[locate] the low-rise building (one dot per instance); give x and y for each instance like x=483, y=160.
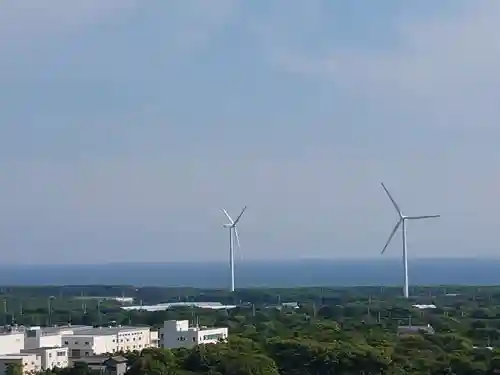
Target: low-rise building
x=116, y=365
x=51, y=357
x=29, y=363
x=40, y=337
x=11, y=342
x=103, y=340
x=178, y=334
x=88, y=345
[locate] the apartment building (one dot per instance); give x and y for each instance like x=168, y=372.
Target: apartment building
x=29, y=362
x=178, y=334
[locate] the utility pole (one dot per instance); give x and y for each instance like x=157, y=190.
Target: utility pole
x=99, y=311
x=49, y=305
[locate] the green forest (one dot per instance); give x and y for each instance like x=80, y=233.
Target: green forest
x=332, y=331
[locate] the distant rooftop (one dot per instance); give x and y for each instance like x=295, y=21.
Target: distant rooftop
x=423, y=307
x=415, y=329
x=169, y=305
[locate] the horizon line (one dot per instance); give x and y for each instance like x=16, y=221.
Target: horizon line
x=256, y=261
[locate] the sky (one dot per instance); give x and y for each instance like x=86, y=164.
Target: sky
x=125, y=127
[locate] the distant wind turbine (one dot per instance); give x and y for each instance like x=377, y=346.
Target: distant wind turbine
x=233, y=233
x=402, y=222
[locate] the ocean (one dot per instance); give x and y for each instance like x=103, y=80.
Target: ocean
x=260, y=274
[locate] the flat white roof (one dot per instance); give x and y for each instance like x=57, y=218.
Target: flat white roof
x=169, y=305
x=106, y=331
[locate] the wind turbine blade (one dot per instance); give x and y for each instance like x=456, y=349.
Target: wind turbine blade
x=392, y=235
x=392, y=199
x=227, y=215
x=423, y=217
x=239, y=216
x=237, y=237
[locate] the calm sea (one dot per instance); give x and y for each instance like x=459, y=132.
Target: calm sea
x=260, y=274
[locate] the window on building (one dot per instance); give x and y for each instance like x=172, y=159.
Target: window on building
x=215, y=336
x=66, y=342
x=86, y=342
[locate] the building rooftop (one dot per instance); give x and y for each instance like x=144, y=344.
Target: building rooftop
x=101, y=359
x=16, y=355
x=7, y=333
x=415, y=329
x=170, y=305
x=107, y=330
x=58, y=329
x=45, y=348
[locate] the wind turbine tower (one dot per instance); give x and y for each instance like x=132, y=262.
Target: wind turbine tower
x=233, y=234
x=403, y=223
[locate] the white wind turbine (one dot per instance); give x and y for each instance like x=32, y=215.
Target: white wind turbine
x=402, y=222
x=233, y=231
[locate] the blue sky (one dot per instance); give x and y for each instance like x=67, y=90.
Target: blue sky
x=126, y=125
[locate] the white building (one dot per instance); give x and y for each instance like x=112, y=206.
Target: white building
x=155, y=339
x=30, y=363
x=177, y=334
x=103, y=340
x=46, y=337
x=51, y=357
x=11, y=342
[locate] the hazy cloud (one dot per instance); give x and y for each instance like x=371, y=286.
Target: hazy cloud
x=116, y=143
x=441, y=68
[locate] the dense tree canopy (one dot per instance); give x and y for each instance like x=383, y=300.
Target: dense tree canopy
x=333, y=331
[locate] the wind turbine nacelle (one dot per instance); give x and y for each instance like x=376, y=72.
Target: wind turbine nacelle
x=227, y=225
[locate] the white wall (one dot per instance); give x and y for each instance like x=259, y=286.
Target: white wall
x=154, y=339
x=134, y=339
x=87, y=345
x=212, y=335
x=178, y=334
x=43, y=341
x=51, y=357
x=11, y=342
